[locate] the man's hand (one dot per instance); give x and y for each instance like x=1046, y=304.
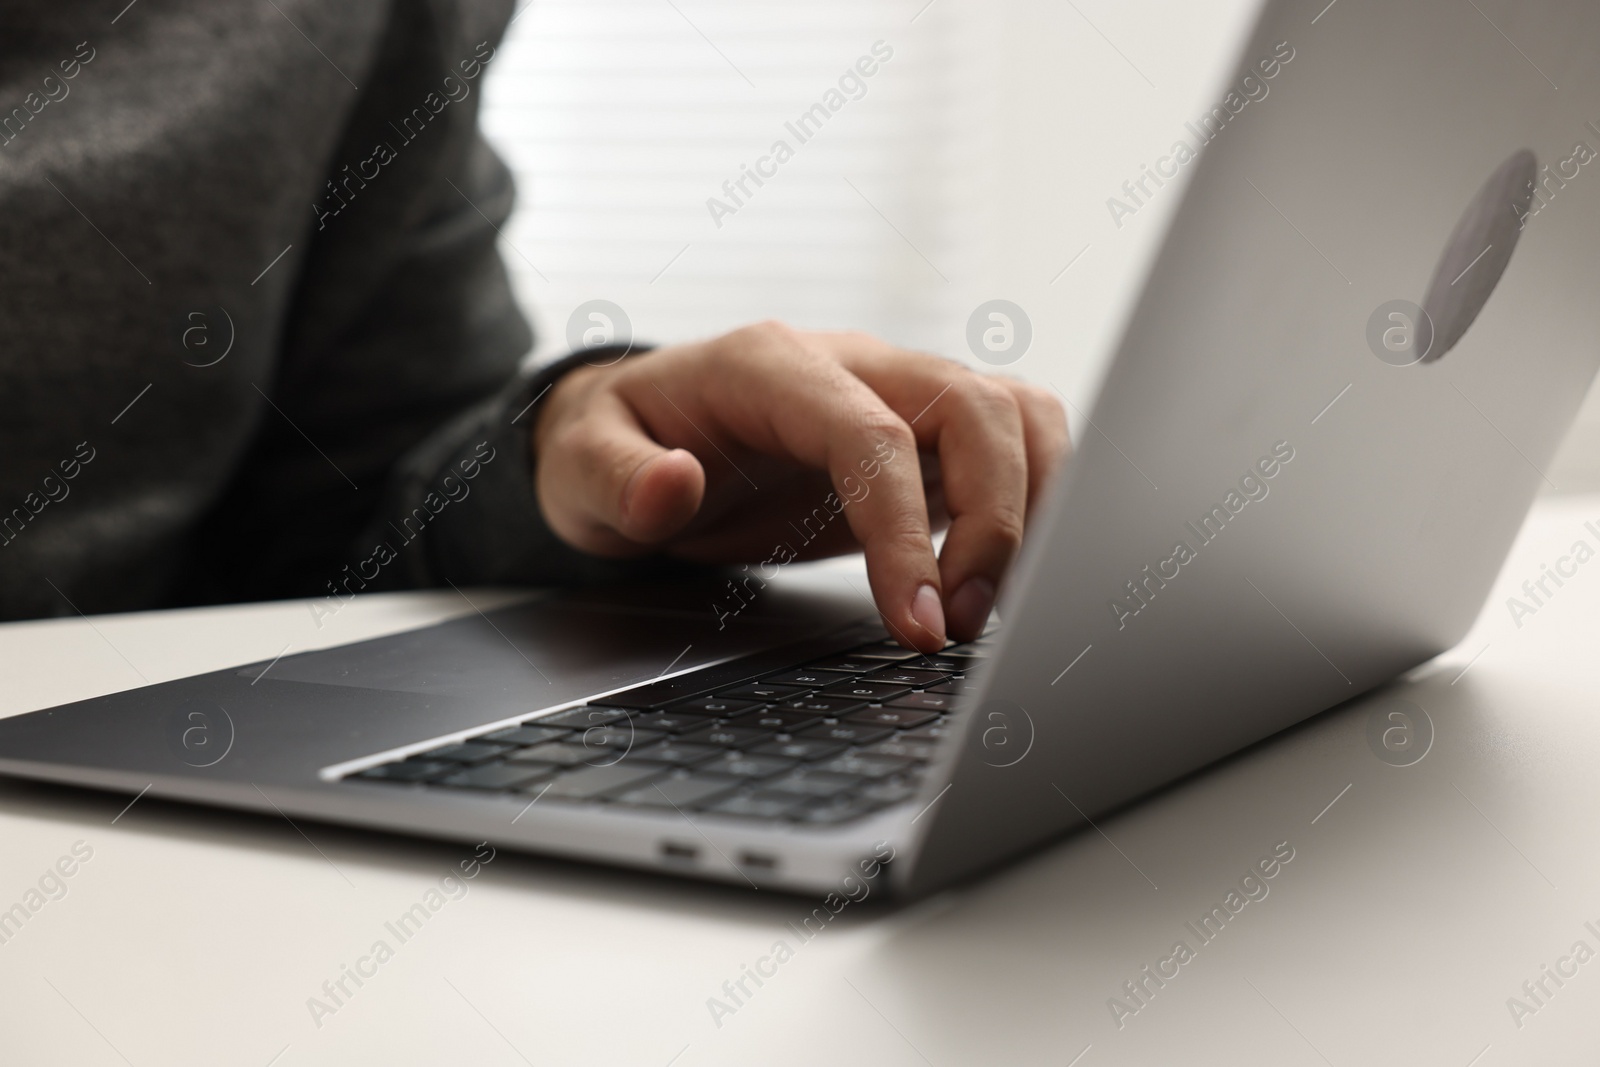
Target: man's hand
x=750, y=447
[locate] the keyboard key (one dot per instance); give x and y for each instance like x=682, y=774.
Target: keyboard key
x=497, y=776
x=675, y=752
x=850, y=733
x=581, y=718
x=526, y=735
x=956, y=686
x=933, y=732
x=588, y=783
x=411, y=770
x=846, y=665
x=669, y=722
x=971, y=653
x=809, y=748
x=863, y=766
x=831, y=706
x=925, y=701
x=728, y=737
x=810, y=783
x=561, y=754
x=748, y=766
x=948, y=664
x=885, y=642
x=758, y=805
x=901, y=748
x=785, y=722
x=907, y=676
x=465, y=752
x=764, y=692
x=910, y=717
x=619, y=736
x=682, y=793
x=805, y=679
x=875, y=692
x=721, y=707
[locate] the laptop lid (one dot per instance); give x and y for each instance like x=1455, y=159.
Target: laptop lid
x=1369, y=326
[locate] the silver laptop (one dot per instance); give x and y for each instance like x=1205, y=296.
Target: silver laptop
x=1369, y=325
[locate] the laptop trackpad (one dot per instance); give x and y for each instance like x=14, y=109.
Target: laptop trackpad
x=569, y=645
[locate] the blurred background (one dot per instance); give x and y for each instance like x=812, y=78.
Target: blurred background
x=976, y=165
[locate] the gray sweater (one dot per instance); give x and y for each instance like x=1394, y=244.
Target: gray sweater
x=255, y=337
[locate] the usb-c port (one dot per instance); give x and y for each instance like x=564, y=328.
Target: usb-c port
x=675, y=852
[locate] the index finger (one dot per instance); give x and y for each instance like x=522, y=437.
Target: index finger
x=977, y=425
x=770, y=390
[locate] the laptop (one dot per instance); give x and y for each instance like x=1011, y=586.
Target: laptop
x=1370, y=322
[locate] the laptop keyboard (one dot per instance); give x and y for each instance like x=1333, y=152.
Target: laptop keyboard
x=819, y=743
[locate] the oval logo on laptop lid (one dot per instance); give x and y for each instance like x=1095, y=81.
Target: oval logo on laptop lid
x=1478, y=252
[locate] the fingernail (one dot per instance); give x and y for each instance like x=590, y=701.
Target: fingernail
x=927, y=610
x=970, y=607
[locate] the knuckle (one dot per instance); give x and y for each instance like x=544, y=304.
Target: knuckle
x=764, y=348
x=768, y=334
x=1046, y=402
x=1006, y=525
x=993, y=397
x=879, y=423
x=901, y=536
x=1049, y=416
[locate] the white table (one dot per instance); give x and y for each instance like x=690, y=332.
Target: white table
x=1415, y=906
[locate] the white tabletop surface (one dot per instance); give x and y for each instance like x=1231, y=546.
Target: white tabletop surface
x=1414, y=908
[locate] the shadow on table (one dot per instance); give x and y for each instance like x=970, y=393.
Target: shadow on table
x=1077, y=946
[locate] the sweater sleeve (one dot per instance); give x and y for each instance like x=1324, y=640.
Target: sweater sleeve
x=465, y=496
x=399, y=455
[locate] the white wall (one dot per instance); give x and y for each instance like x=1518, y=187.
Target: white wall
x=977, y=165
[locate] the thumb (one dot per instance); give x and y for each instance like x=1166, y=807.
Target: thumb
x=607, y=487
x=661, y=495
